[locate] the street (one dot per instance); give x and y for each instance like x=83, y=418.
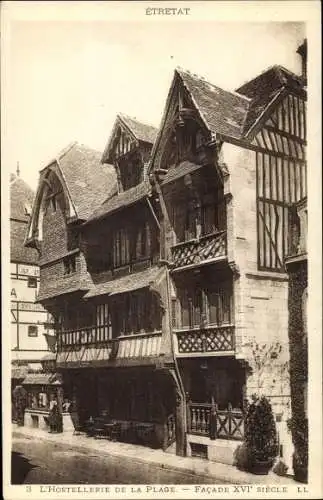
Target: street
x=35, y=461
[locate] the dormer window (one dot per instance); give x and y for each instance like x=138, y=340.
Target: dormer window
x=129, y=150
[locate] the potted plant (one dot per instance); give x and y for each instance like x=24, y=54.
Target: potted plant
x=260, y=436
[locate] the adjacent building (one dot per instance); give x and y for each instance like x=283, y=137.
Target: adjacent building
x=30, y=322
x=162, y=262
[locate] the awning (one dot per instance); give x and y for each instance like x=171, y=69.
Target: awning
x=42, y=379
x=19, y=373
x=136, y=281
x=35, y=366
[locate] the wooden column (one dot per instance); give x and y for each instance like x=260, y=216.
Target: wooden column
x=180, y=416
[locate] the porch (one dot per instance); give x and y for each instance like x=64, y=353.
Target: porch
x=134, y=404
x=212, y=433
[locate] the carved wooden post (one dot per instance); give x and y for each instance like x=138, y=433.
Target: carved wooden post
x=180, y=424
x=213, y=418
x=229, y=419
x=188, y=414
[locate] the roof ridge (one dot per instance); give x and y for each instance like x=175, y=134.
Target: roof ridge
x=125, y=115
x=65, y=150
x=276, y=67
x=200, y=77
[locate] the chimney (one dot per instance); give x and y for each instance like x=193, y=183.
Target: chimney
x=302, y=51
x=18, y=169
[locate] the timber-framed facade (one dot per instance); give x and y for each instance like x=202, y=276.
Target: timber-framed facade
x=163, y=265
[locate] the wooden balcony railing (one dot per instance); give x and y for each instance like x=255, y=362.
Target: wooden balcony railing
x=200, y=251
x=207, y=340
x=204, y=419
x=124, y=346
x=136, y=346
x=89, y=335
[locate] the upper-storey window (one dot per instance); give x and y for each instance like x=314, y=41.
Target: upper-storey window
x=132, y=244
x=131, y=173
x=121, y=248
x=134, y=313
x=198, y=217
x=202, y=306
x=32, y=282
x=143, y=242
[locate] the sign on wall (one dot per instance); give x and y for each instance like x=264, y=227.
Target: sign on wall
x=25, y=270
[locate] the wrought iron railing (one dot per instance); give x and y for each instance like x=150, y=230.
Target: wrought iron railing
x=200, y=250
x=205, y=419
x=208, y=339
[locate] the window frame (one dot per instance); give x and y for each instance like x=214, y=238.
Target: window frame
x=35, y=328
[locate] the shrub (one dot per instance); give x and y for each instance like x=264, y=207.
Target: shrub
x=241, y=457
x=260, y=432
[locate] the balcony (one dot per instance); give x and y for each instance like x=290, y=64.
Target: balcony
x=297, y=232
x=197, y=252
x=211, y=340
x=137, y=345
x=93, y=345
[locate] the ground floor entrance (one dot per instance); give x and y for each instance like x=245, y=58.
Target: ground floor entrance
x=214, y=396
x=140, y=401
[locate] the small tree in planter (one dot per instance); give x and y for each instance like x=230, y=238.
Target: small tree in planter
x=260, y=436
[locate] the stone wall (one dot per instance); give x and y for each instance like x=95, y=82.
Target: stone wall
x=260, y=298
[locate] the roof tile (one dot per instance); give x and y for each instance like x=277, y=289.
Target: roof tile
x=89, y=182
x=223, y=111
x=142, y=131
x=122, y=200
x=127, y=283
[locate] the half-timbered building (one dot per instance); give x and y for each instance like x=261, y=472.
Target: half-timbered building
x=30, y=322
x=164, y=265
x=227, y=166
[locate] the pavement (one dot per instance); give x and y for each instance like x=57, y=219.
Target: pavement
x=202, y=469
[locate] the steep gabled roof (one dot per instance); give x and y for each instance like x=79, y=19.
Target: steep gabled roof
x=142, y=131
x=121, y=200
x=88, y=181
x=232, y=114
x=18, y=252
x=85, y=181
x=21, y=200
x=265, y=89
x=223, y=111
x=137, y=131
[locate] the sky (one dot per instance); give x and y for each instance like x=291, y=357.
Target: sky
x=67, y=80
